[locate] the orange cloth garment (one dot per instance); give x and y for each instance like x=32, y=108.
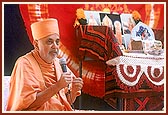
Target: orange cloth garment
x=44, y=27
x=30, y=76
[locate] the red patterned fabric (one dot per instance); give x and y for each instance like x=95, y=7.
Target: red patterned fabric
x=99, y=44
x=143, y=77
x=98, y=41
x=141, y=103
x=94, y=78
x=132, y=69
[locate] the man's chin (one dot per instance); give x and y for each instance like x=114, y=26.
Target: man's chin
x=54, y=56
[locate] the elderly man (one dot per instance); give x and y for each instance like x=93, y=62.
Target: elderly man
x=37, y=81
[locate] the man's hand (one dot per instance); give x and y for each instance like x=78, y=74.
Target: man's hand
x=77, y=84
x=65, y=79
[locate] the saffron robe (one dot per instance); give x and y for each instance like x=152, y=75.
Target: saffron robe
x=30, y=76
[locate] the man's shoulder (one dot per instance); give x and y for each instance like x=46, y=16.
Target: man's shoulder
x=25, y=58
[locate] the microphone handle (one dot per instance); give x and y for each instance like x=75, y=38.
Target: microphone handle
x=64, y=68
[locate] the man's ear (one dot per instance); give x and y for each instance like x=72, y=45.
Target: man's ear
x=35, y=43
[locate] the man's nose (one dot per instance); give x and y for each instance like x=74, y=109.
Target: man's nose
x=55, y=45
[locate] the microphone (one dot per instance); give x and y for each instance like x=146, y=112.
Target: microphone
x=63, y=63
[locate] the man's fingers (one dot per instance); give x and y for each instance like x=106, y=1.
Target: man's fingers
x=77, y=80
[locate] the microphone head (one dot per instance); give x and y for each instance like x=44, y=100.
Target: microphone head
x=62, y=61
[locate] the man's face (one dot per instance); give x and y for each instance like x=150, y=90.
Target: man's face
x=49, y=47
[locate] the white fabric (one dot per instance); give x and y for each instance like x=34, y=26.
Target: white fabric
x=125, y=81
x=146, y=63
x=5, y=92
x=138, y=59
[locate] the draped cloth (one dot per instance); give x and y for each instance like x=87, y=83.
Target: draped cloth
x=30, y=76
x=99, y=44
x=98, y=41
x=133, y=70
